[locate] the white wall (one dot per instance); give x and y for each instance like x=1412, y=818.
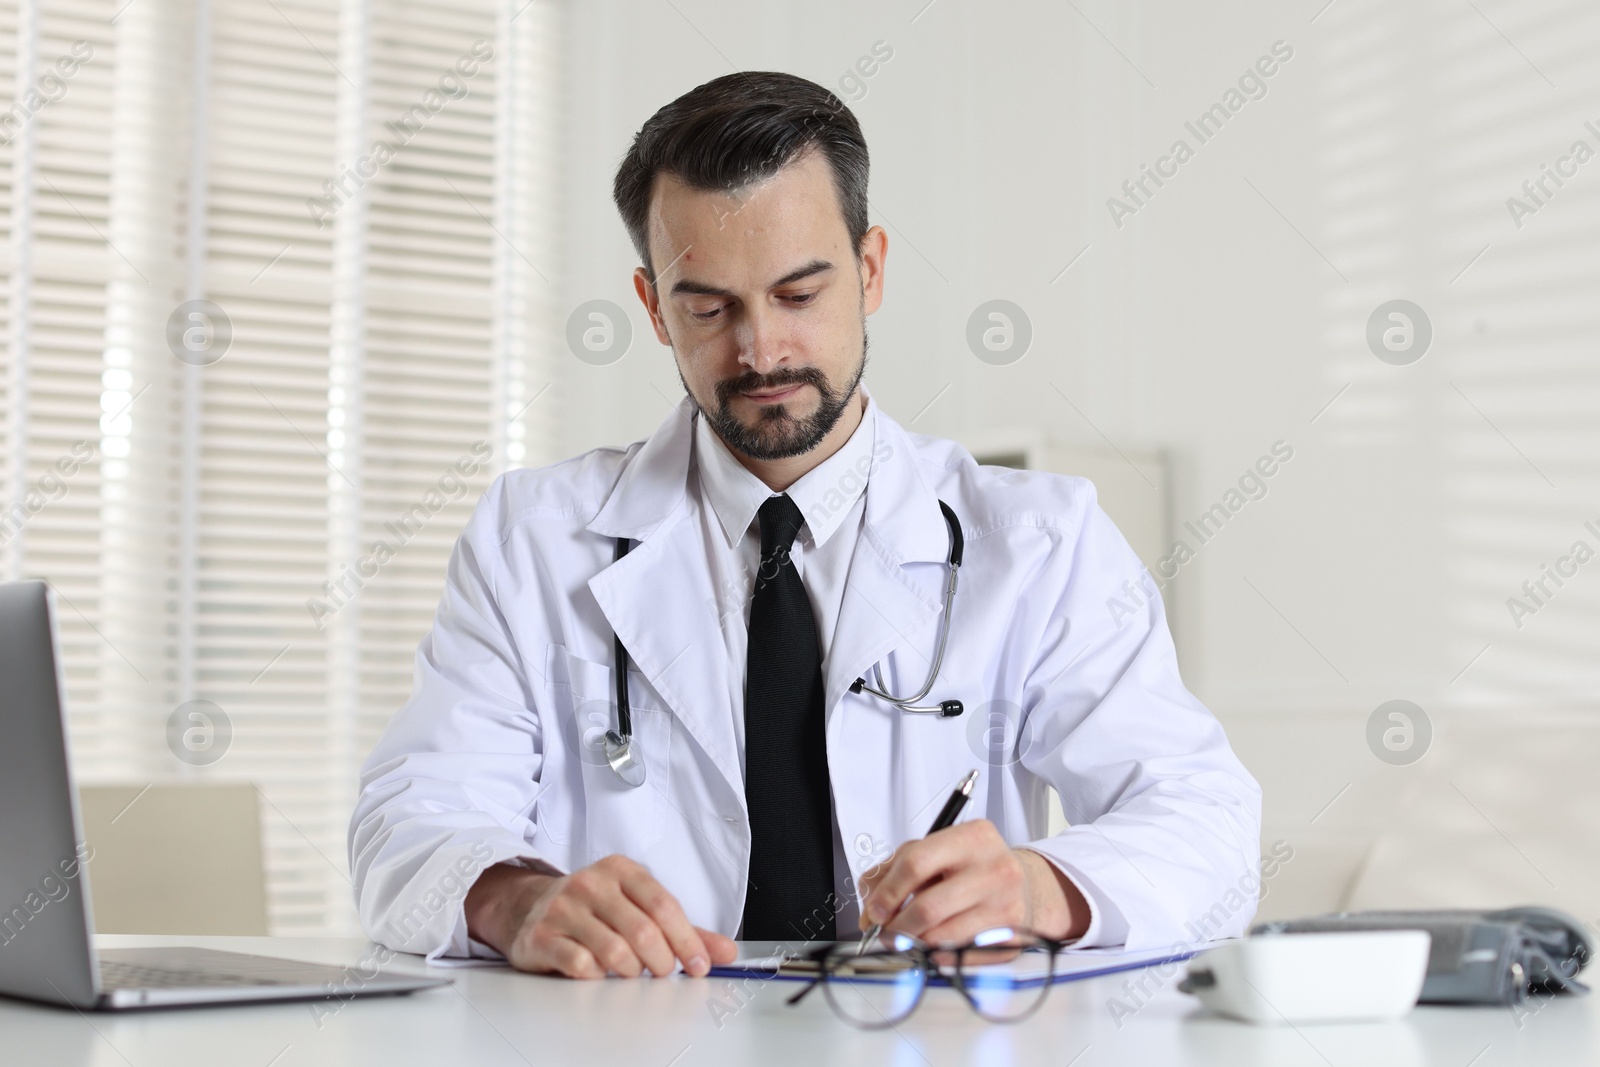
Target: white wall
x=1225, y=316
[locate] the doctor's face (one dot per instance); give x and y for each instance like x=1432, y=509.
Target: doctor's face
x=764, y=303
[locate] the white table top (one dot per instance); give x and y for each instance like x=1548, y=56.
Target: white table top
x=495, y=1017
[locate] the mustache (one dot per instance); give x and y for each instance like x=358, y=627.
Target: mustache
x=781, y=378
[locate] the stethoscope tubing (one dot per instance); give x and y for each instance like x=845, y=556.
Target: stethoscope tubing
x=619, y=742
x=624, y=712
x=946, y=708
x=910, y=703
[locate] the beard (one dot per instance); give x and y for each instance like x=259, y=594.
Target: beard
x=777, y=434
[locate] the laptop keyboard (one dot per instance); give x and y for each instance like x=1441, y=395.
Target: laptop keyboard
x=118, y=975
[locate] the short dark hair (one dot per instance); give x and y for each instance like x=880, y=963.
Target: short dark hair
x=737, y=129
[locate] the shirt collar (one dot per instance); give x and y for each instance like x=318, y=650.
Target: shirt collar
x=824, y=494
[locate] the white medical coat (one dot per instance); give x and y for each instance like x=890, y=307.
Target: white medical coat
x=496, y=755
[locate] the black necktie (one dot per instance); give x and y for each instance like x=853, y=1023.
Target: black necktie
x=785, y=749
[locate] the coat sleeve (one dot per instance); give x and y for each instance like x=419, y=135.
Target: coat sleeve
x=1165, y=821
x=450, y=787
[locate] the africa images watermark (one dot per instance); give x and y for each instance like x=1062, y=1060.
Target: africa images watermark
x=1252, y=85
x=1399, y=732
x=51, y=88
x=734, y=590
x=199, y=732
x=1537, y=192
x=1251, y=889
x=852, y=85
x=52, y=485
x=847, y=489
x=1252, y=486
x=452, y=485
x=54, y=886
x=1536, y=591
x=452, y=85
x=853, y=82
x=733, y=996
x=451, y=887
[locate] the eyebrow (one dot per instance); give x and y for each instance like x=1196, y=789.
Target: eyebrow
x=688, y=285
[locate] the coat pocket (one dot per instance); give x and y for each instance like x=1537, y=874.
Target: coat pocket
x=616, y=817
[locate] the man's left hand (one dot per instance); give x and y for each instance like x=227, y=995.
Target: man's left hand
x=950, y=886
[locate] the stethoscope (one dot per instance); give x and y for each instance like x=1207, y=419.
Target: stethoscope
x=629, y=765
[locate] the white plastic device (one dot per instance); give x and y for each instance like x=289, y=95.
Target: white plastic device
x=1355, y=976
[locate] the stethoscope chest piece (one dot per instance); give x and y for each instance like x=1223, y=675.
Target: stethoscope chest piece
x=623, y=759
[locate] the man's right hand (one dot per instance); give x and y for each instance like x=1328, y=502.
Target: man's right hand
x=610, y=917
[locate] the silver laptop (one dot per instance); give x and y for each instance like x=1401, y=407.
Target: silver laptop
x=46, y=926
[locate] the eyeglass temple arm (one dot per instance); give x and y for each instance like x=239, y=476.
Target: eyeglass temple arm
x=798, y=997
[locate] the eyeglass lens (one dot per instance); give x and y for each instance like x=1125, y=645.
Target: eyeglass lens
x=994, y=990
x=880, y=989
x=876, y=989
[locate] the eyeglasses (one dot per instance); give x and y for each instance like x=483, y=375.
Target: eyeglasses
x=882, y=987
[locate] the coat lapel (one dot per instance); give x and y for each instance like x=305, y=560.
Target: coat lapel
x=883, y=609
x=659, y=598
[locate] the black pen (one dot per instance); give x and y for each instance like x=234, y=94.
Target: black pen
x=947, y=818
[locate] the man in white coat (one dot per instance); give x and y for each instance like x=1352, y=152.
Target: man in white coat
x=786, y=538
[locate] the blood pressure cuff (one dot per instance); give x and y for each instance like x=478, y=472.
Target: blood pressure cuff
x=1478, y=957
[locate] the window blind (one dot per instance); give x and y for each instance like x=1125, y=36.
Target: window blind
x=360, y=194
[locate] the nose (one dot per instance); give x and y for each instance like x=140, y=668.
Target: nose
x=762, y=344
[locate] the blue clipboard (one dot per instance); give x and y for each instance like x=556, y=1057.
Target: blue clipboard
x=1112, y=965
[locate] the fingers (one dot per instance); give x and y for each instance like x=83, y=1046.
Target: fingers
x=962, y=927
x=566, y=957
x=916, y=864
x=937, y=903
x=608, y=901
x=868, y=884
x=967, y=902
x=565, y=937
x=949, y=886
x=643, y=937
x=614, y=917
x=680, y=941
x=722, y=949
x=614, y=953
